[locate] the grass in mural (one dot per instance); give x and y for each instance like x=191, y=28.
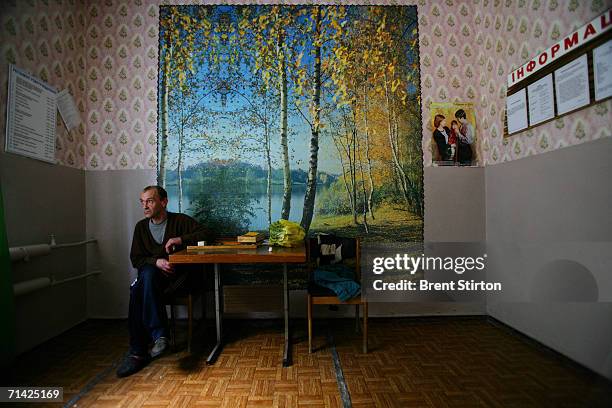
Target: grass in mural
x=391, y=224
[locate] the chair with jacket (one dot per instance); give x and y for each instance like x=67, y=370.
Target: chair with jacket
x=334, y=276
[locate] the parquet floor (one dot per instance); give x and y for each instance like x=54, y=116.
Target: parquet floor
x=462, y=362
x=437, y=362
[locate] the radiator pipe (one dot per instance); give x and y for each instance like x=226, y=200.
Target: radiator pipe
x=72, y=244
x=32, y=285
x=30, y=251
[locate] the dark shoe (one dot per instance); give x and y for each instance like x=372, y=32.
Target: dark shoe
x=131, y=364
x=160, y=346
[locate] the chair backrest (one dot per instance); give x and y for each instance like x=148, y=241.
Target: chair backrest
x=326, y=248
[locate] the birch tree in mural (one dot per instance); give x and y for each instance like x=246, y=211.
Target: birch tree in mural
x=180, y=47
x=185, y=126
x=320, y=28
x=269, y=29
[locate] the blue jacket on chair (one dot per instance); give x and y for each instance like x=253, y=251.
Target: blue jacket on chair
x=339, y=278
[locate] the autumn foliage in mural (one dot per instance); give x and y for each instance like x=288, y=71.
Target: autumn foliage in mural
x=308, y=113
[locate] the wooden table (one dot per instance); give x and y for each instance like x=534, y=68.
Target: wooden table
x=261, y=255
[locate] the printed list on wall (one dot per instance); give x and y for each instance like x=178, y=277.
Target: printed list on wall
x=30, y=125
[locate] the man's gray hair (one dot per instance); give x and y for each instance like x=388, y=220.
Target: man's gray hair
x=160, y=191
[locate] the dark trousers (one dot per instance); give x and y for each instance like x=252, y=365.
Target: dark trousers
x=147, y=317
x=464, y=153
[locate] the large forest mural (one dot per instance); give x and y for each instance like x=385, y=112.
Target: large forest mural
x=308, y=113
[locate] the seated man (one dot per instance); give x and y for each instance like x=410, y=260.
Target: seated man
x=155, y=237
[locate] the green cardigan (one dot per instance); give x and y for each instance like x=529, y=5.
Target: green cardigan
x=146, y=251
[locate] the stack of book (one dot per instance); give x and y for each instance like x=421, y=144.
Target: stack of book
x=252, y=237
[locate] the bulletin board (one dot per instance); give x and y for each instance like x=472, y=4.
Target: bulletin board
x=571, y=75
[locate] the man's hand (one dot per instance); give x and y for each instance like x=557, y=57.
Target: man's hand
x=165, y=266
x=171, y=243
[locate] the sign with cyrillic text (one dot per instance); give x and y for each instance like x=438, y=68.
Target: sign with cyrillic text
x=584, y=34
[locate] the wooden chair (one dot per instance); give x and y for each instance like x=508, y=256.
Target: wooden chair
x=319, y=295
x=183, y=292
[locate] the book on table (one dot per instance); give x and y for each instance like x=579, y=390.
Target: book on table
x=252, y=237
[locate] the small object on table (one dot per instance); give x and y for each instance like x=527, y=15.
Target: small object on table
x=251, y=237
x=223, y=245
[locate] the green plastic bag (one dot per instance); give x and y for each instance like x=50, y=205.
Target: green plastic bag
x=286, y=233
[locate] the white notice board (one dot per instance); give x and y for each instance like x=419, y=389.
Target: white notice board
x=30, y=116
x=541, y=100
x=516, y=111
x=602, y=66
x=572, y=85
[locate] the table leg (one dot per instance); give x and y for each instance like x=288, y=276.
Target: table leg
x=287, y=361
x=219, y=346
x=203, y=294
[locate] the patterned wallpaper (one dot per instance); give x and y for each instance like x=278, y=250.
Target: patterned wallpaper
x=105, y=52
x=46, y=38
x=122, y=84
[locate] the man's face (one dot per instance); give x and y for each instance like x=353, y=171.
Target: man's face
x=152, y=205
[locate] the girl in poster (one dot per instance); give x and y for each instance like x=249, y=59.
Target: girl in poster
x=441, y=136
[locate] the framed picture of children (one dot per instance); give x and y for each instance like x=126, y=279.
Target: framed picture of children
x=453, y=139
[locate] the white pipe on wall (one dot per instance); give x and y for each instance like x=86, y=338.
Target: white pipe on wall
x=30, y=251
x=73, y=244
x=72, y=278
x=32, y=285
